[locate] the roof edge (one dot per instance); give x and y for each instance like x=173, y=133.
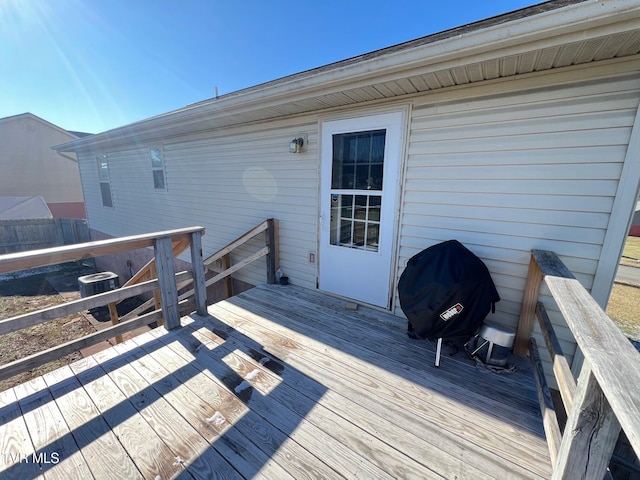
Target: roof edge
x=38, y=119
x=546, y=20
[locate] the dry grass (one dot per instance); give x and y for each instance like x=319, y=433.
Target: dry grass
x=623, y=309
x=632, y=247
x=631, y=252
x=625, y=299
x=31, y=340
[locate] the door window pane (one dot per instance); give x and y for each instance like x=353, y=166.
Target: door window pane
x=360, y=209
x=346, y=206
x=347, y=179
x=362, y=177
x=363, y=152
x=358, y=160
x=355, y=221
x=374, y=208
x=345, y=232
x=358, y=234
x=375, y=177
x=377, y=146
x=373, y=233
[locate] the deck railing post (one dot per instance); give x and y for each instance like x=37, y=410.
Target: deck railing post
x=115, y=319
x=549, y=417
x=590, y=433
x=228, y=280
x=272, y=256
x=157, y=300
x=200, y=289
x=528, y=309
x=167, y=282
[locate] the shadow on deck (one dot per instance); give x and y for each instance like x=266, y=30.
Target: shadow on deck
x=277, y=382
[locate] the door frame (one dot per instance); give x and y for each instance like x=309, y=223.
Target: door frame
x=404, y=111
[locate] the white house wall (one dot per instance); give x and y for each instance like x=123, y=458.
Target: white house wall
x=228, y=182
x=504, y=167
x=507, y=173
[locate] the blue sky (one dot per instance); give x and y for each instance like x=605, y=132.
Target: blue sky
x=93, y=65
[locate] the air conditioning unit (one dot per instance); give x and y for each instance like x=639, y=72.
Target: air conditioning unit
x=98, y=283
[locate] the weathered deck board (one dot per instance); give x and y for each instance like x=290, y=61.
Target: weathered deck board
x=371, y=380
x=189, y=449
x=386, y=339
x=90, y=431
x=333, y=412
x=15, y=443
x=288, y=412
x=278, y=382
x=147, y=450
x=418, y=359
x=56, y=450
x=232, y=446
x=277, y=416
x=391, y=346
x=230, y=409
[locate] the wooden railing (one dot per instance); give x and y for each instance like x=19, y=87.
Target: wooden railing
x=606, y=397
x=164, y=245
x=270, y=251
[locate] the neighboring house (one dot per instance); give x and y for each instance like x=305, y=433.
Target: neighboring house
x=24, y=208
x=508, y=134
x=31, y=168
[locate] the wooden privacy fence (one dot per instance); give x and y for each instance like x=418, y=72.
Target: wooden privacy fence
x=164, y=243
x=606, y=397
x=22, y=235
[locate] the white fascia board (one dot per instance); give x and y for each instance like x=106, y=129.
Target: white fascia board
x=552, y=28
x=582, y=21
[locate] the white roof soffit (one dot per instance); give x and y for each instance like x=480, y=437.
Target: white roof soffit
x=524, y=41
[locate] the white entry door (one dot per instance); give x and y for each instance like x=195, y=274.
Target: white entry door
x=360, y=172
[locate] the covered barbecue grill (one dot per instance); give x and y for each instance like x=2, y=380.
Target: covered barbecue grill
x=446, y=291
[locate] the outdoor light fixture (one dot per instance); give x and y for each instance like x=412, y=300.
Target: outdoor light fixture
x=295, y=146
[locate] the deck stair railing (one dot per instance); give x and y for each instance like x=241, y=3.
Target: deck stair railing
x=164, y=244
x=222, y=256
x=606, y=396
x=269, y=251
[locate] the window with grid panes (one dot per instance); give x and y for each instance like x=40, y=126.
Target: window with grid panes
x=356, y=189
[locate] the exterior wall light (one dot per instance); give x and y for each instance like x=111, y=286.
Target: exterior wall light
x=295, y=145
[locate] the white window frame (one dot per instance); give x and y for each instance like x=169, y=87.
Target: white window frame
x=104, y=180
x=156, y=155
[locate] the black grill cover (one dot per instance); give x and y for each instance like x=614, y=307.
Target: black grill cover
x=446, y=291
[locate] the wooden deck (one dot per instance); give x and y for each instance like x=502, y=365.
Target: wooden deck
x=278, y=382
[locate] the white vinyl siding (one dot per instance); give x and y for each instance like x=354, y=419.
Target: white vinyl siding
x=227, y=182
x=503, y=166
x=505, y=174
